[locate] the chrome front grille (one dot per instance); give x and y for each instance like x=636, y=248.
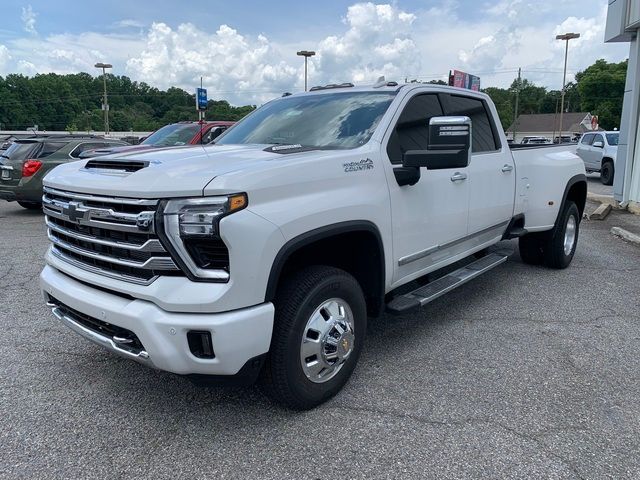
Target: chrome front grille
x=111, y=236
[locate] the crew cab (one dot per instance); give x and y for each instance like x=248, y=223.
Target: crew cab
x=261, y=257
x=175, y=134
x=599, y=151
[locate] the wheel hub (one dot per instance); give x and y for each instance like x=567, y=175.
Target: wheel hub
x=570, y=235
x=327, y=340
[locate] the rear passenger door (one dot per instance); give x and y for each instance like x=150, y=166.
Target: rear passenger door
x=492, y=176
x=584, y=150
x=596, y=152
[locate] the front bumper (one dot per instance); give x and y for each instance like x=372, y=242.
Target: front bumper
x=237, y=336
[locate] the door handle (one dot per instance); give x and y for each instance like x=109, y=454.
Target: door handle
x=458, y=177
x=507, y=168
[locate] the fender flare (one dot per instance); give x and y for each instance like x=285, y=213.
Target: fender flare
x=579, y=178
x=315, y=235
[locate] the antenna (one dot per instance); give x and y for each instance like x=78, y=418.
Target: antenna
x=380, y=83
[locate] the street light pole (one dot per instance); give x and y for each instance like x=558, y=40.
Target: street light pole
x=566, y=37
x=105, y=102
x=306, y=54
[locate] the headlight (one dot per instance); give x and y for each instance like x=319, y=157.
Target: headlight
x=192, y=229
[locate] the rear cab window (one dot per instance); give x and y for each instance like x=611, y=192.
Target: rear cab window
x=485, y=136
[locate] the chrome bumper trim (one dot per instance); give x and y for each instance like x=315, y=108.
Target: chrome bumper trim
x=95, y=337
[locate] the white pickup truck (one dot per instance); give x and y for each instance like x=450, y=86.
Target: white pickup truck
x=262, y=256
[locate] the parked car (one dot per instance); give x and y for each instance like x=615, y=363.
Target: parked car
x=25, y=163
x=565, y=139
x=534, y=140
x=263, y=255
x=598, y=151
x=176, y=134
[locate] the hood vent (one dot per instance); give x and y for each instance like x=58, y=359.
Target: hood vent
x=128, y=166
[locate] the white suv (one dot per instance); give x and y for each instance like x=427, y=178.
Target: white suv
x=598, y=151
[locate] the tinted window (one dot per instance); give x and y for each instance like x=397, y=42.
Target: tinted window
x=21, y=151
x=83, y=147
x=612, y=138
x=173, y=135
x=330, y=120
x=587, y=138
x=412, y=129
x=597, y=138
x=483, y=139
x=49, y=148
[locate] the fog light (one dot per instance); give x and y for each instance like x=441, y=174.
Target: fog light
x=200, y=343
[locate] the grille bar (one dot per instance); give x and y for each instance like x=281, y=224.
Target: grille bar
x=94, y=198
x=98, y=217
x=152, y=245
x=101, y=271
x=153, y=263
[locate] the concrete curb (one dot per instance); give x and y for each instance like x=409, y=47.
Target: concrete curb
x=626, y=235
x=605, y=199
x=601, y=212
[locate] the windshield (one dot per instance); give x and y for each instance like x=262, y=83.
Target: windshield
x=19, y=150
x=612, y=138
x=173, y=135
x=332, y=120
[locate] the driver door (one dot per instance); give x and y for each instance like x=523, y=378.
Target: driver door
x=430, y=217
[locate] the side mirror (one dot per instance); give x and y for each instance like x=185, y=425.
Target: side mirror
x=449, y=145
x=598, y=144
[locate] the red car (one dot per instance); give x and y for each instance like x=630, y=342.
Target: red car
x=173, y=135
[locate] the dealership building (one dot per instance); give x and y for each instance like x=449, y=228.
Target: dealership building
x=623, y=25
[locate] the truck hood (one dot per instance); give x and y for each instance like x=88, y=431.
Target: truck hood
x=168, y=172
x=99, y=152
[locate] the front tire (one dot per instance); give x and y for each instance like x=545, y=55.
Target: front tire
x=607, y=173
x=318, y=333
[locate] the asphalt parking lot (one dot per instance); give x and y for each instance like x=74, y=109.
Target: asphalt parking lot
x=525, y=373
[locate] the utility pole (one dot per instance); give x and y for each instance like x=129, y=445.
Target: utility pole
x=306, y=54
x=105, y=101
x=566, y=37
x=555, y=122
x=515, y=115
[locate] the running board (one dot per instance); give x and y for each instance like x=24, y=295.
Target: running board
x=428, y=293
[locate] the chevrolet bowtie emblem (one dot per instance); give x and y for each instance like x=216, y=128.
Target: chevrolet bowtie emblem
x=74, y=212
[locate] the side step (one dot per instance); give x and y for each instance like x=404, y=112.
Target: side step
x=428, y=293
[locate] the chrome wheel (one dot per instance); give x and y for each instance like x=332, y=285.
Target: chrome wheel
x=570, y=234
x=327, y=340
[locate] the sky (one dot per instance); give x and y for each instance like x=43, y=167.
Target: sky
x=246, y=50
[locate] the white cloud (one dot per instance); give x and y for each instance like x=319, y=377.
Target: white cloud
x=231, y=65
x=128, y=23
x=29, y=20
x=5, y=57
x=377, y=42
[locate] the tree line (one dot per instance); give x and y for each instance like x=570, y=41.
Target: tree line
x=599, y=90
x=73, y=102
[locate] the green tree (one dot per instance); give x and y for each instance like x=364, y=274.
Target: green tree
x=601, y=89
x=58, y=102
